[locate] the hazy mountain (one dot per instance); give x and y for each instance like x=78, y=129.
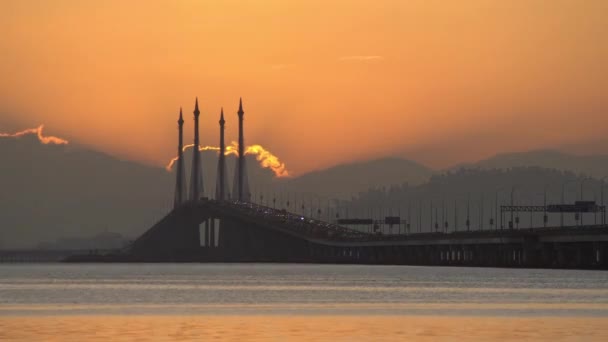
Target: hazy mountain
x=56, y=191
x=52, y=192
x=592, y=165
x=589, y=147
x=478, y=194
x=345, y=180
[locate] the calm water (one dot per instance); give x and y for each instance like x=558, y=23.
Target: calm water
x=279, y=301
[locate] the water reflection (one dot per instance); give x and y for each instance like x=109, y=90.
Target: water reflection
x=298, y=302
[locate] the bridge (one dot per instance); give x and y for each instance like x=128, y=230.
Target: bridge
x=225, y=231
x=233, y=229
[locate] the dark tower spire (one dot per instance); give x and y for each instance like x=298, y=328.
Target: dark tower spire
x=196, y=177
x=221, y=189
x=180, y=174
x=241, y=191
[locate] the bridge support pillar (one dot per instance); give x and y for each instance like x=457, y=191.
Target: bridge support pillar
x=205, y=233
x=212, y=233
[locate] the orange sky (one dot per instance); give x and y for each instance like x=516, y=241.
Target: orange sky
x=323, y=82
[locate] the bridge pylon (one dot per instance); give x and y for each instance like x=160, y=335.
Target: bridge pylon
x=196, y=177
x=221, y=188
x=241, y=182
x=180, y=173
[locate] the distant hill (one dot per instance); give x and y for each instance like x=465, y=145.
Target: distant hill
x=57, y=192
x=50, y=192
x=70, y=193
x=345, y=180
x=478, y=193
x=593, y=165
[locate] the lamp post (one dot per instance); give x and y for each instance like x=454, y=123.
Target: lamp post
x=512, y=205
x=496, y=209
x=310, y=200
x=493, y=220
x=431, y=212
x=603, y=184
x=545, y=217
x=455, y=215
x=481, y=212
x=408, y=225
x=532, y=211
x=444, y=215
x=420, y=217
x=595, y=212
x=468, y=212
x=436, y=219
x=581, y=198
x=563, y=198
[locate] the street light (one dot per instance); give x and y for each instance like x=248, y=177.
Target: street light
x=545, y=217
x=496, y=209
x=468, y=212
x=512, y=205
x=481, y=212
x=603, y=184
x=582, y=183
x=595, y=211
x=455, y=215
x=420, y=217
x=431, y=222
x=409, y=217
x=318, y=208
x=444, y=215
x=532, y=211
x=563, y=198
x=467, y=221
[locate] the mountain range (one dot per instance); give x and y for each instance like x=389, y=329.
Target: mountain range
x=591, y=165
x=50, y=192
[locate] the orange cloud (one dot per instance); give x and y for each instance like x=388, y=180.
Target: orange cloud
x=263, y=156
x=38, y=132
x=266, y=159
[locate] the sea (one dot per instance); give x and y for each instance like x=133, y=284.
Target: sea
x=298, y=302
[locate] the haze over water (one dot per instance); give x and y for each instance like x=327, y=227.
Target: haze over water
x=298, y=302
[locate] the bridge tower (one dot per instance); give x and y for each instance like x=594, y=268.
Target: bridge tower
x=180, y=174
x=221, y=189
x=241, y=183
x=196, y=177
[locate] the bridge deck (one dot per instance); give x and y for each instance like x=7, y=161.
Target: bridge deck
x=250, y=232
x=331, y=234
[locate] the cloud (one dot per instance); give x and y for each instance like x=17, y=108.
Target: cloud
x=44, y=139
x=361, y=58
x=266, y=159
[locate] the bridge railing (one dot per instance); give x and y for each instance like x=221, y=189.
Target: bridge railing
x=297, y=223
x=317, y=229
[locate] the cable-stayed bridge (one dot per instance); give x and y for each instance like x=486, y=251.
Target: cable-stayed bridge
x=230, y=228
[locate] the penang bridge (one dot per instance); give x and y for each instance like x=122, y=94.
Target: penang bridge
x=231, y=228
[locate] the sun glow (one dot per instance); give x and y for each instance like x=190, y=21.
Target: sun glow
x=265, y=158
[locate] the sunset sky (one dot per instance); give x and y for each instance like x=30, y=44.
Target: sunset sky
x=323, y=82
